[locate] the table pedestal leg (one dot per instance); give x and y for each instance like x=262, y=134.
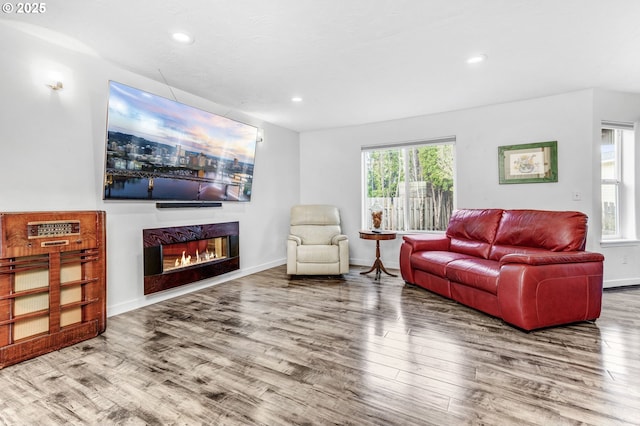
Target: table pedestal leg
x=377, y=265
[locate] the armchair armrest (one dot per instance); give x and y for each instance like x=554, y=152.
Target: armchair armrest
x=295, y=239
x=550, y=258
x=337, y=238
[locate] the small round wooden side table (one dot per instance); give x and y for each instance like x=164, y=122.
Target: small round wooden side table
x=378, y=236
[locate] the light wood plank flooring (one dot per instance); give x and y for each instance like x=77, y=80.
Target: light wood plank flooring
x=268, y=350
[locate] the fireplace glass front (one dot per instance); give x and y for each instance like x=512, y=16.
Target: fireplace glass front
x=181, y=255
x=193, y=253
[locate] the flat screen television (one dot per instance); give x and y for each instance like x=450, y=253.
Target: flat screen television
x=160, y=149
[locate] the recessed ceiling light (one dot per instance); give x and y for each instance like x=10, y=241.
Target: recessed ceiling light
x=296, y=99
x=182, y=37
x=476, y=59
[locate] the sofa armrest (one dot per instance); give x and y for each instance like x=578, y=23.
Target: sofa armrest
x=335, y=240
x=295, y=239
x=539, y=295
x=552, y=258
x=419, y=242
x=422, y=242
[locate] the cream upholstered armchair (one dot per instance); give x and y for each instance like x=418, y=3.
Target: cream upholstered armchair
x=316, y=245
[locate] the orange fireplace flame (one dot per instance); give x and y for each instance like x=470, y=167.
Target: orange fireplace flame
x=187, y=259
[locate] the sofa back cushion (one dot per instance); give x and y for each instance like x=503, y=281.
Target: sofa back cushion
x=523, y=231
x=472, y=231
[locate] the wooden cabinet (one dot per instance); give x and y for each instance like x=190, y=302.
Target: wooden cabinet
x=52, y=281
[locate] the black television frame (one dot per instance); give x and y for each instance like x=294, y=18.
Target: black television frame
x=159, y=149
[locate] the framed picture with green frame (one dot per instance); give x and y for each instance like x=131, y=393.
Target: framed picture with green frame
x=528, y=163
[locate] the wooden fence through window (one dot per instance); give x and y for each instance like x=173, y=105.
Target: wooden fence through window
x=421, y=215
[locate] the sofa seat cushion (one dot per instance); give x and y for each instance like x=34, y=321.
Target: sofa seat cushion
x=318, y=254
x=478, y=273
x=435, y=262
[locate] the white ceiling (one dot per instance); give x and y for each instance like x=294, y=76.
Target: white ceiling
x=357, y=61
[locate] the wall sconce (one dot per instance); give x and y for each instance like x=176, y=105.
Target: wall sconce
x=56, y=85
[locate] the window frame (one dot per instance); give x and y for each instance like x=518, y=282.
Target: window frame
x=623, y=182
x=403, y=146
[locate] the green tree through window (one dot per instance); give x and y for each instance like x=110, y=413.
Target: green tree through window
x=413, y=184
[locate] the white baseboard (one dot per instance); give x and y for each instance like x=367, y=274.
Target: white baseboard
x=621, y=283
x=179, y=291
x=130, y=305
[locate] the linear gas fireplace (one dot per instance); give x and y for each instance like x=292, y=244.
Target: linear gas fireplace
x=181, y=255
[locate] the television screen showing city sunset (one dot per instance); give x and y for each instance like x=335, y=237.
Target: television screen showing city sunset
x=159, y=149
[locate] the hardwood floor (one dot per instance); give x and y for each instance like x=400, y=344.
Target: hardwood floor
x=267, y=350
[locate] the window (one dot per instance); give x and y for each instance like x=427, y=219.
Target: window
x=412, y=183
x=617, y=181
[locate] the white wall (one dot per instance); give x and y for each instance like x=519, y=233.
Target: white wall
x=53, y=152
x=52, y=158
x=622, y=260
x=331, y=168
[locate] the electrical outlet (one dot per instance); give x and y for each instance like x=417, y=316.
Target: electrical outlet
x=624, y=259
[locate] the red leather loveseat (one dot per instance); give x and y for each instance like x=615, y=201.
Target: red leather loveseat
x=527, y=267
